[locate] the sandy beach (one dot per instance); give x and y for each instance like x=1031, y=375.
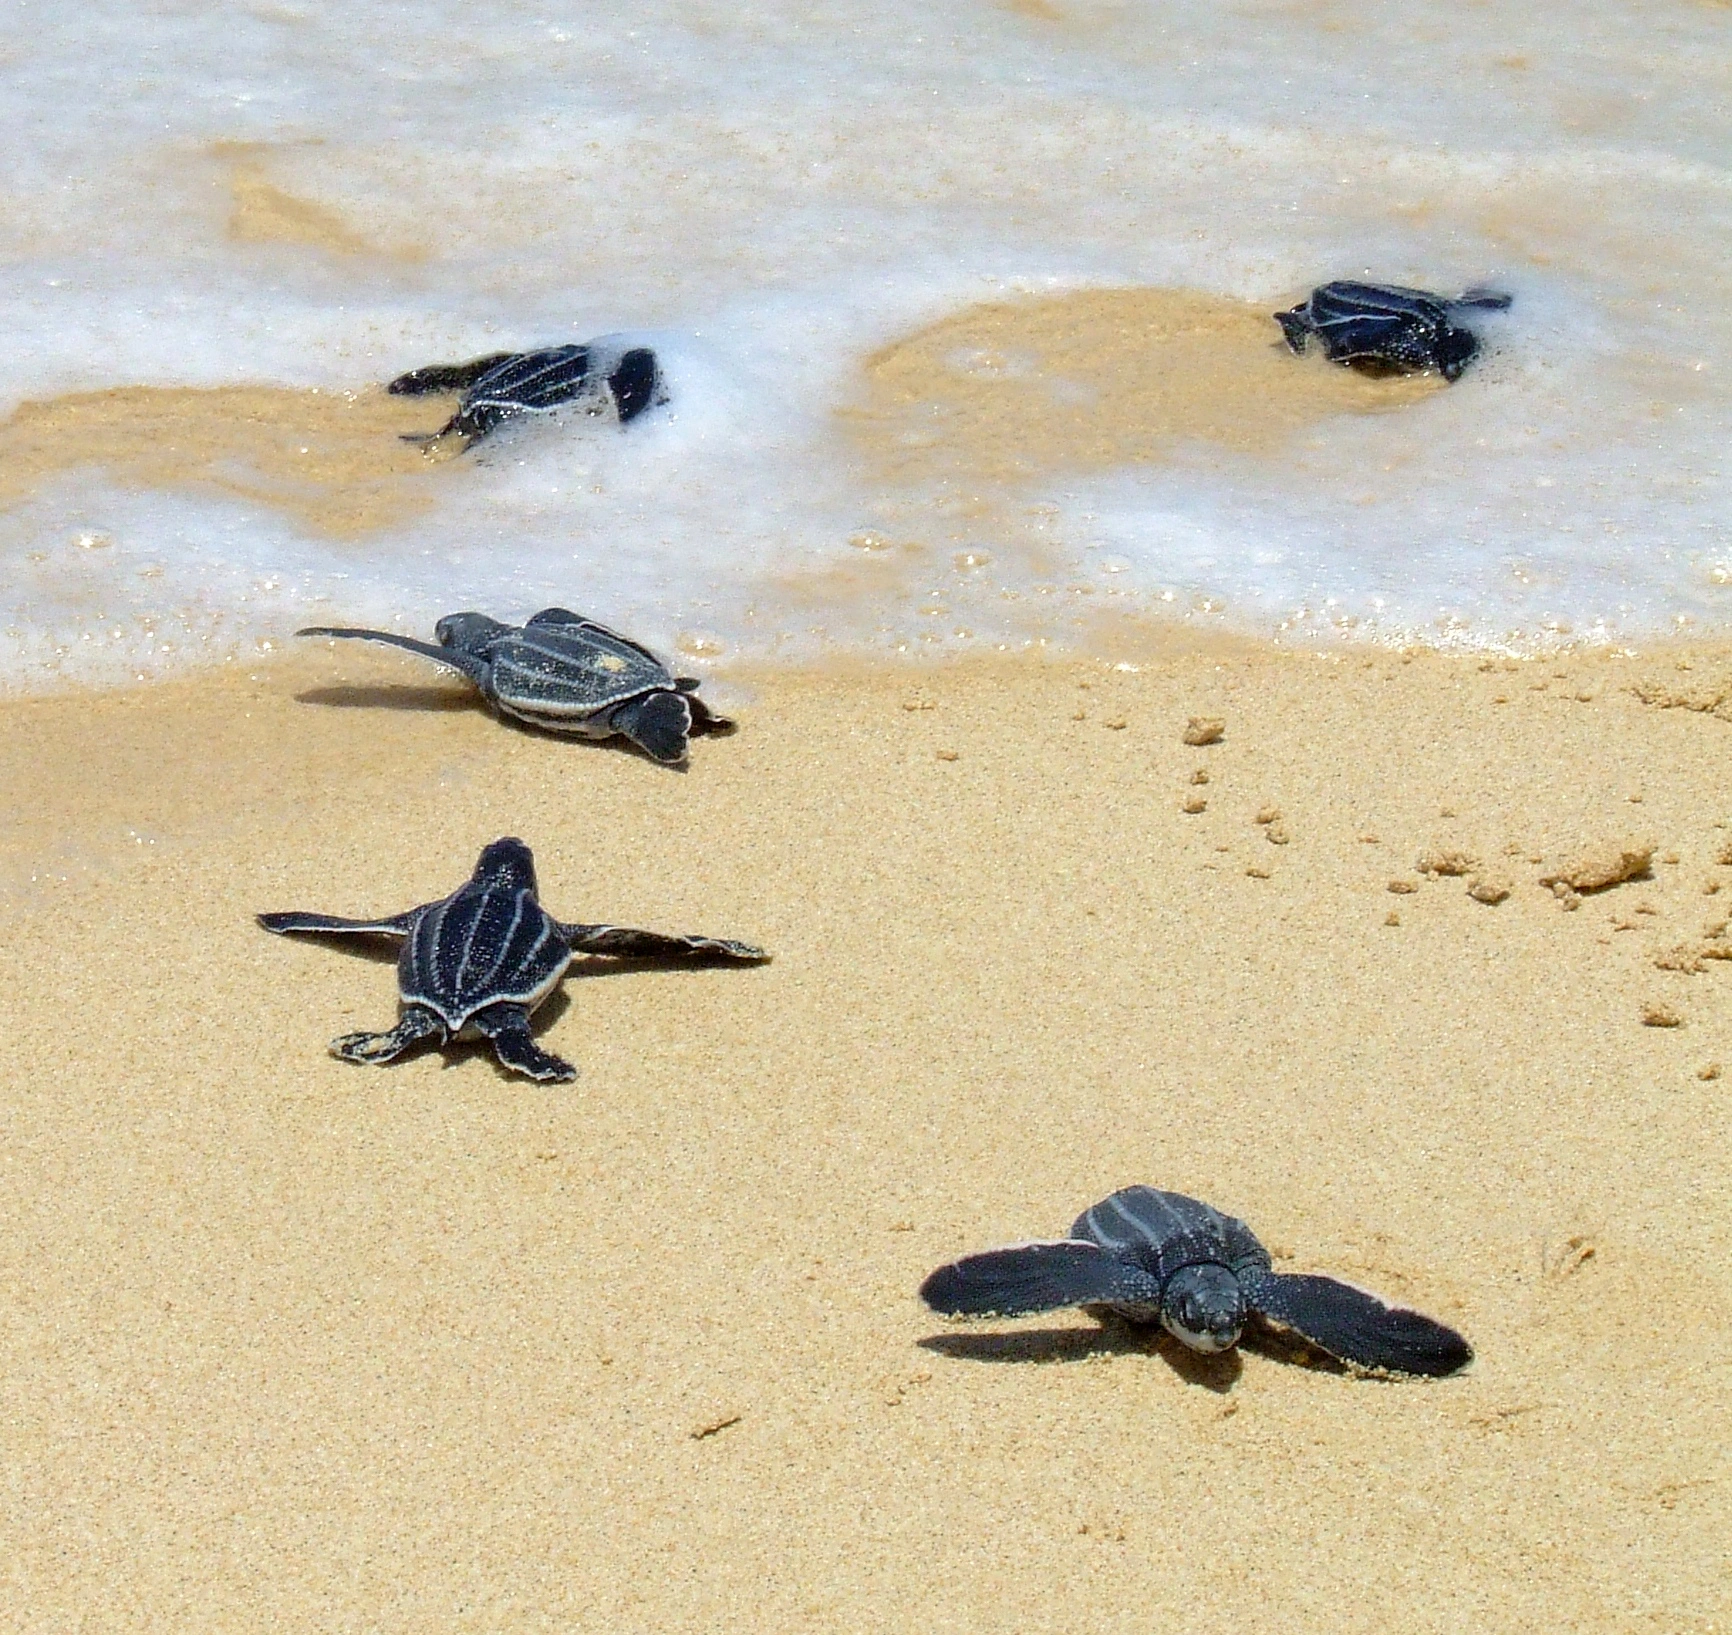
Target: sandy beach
x=290, y=1342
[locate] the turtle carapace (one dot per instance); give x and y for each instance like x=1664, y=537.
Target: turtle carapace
x=482, y=959
x=1383, y=329
x=597, y=378
x=567, y=674
x=1160, y=1257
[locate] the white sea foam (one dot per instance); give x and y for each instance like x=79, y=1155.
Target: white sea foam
x=768, y=193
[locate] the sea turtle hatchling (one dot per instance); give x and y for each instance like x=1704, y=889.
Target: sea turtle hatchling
x=480, y=960
x=597, y=377
x=1159, y=1257
x=1383, y=329
x=567, y=674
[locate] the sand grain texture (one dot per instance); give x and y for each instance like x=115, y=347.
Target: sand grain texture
x=288, y=1341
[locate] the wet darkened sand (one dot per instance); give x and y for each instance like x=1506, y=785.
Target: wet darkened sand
x=333, y=461
x=1094, y=379
x=287, y=1341
x=264, y=210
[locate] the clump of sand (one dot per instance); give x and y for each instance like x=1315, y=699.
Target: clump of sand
x=1445, y=860
x=1600, y=865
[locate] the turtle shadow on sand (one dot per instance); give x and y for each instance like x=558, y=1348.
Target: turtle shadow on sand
x=1215, y=1371
x=450, y=701
x=376, y=697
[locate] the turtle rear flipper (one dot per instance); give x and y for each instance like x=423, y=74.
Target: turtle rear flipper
x=455, y=424
x=1354, y=1326
x=506, y=1026
x=658, y=723
x=1035, y=1277
x=417, y=1023
x=446, y=377
x=471, y=666
x=396, y=925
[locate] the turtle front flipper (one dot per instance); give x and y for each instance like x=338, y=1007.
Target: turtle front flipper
x=1038, y=1277
x=395, y=925
x=418, y=1023
x=658, y=723
x=704, y=719
x=506, y=1026
x=452, y=657
x=1296, y=327
x=1356, y=1327
x=447, y=377
x=623, y=942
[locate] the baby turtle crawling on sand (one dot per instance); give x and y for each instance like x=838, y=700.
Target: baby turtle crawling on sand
x=1383, y=329
x=483, y=958
x=567, y=674
x=503, y=385
x=1159, y=1257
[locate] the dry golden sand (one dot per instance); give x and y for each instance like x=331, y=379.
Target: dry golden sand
x=296, y=1343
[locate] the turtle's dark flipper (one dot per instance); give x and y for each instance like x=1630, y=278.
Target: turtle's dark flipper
x=625, y=943
x=1296, y=326
x=473, y=667
x=446, y=377
x=1037, y=1277
x=507, y=1027
x=457, y=424
x=418, y=1023
x=1356, y=1326
x=704, y=719
x=1489, y=300
x=658, y=723
x=395, y=925
x=634, y=383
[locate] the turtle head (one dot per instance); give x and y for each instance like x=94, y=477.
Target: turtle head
x=468, y=632
x=1455, y=347
x=507, y=863
x=1204, y=1306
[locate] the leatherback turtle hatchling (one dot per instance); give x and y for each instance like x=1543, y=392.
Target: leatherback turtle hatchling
x=483, y=958
x=597, y=376
x=568, y=674
x=1161, y=1257
x=1383, y=329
